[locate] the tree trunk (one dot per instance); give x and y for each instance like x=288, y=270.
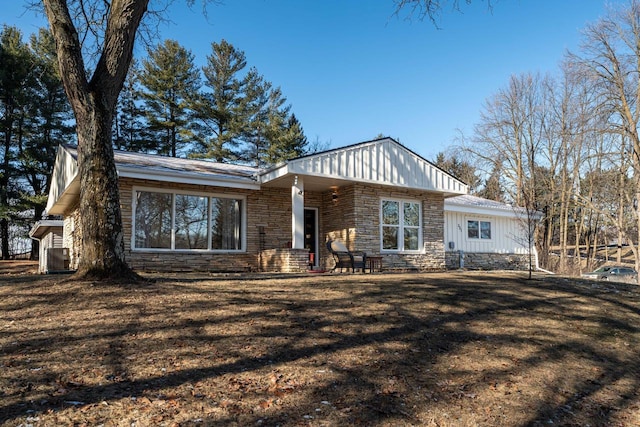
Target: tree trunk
x=102, y=255
x=102, y=232
x=4, y=237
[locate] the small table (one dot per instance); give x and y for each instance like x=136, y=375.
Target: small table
x=375, y=263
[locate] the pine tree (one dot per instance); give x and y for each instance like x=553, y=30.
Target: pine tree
x=130, y=129
x=46, y=125
x=222, y=110
x=170, y=81
x=459, y=168
x=256, y=133
x=492, y=188
x=294, y=143
x=16, y=76
x=272, y=135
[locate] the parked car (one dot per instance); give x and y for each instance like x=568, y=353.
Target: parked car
x=613, y=274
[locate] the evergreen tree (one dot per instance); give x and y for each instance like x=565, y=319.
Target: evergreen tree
x=294, y=142
x=16, y=75
x=271, y=134
x=129, y=126
x=170, y=80
x=46, y=125
x=222, y=109
x=459, y=168
x=256, y=133
x=492, y=188
x=286, y=139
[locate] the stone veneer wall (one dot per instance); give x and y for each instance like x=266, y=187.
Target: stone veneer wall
x=268, y=211
x=355, y=219
x=489, y=261
x=285, y=260
x=72, y=236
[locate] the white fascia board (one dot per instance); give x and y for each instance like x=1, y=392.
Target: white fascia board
x=185, y=178
x=476, y=210
x=42, y=224
x=275, y=173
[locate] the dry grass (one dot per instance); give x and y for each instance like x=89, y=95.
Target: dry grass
x=446, y=349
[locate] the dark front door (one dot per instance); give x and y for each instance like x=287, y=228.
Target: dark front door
x=311, y=235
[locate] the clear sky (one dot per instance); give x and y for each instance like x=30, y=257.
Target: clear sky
x=351, y=70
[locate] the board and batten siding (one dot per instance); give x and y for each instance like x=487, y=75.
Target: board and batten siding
x=507, y=234
x=381, y=162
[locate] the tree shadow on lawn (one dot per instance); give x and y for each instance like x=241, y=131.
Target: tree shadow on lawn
x=457, y=349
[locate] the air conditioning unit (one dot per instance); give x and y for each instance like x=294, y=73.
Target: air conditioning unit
x=57, y=260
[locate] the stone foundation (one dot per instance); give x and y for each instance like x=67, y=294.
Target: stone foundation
x=488, y=261
x=284, y=260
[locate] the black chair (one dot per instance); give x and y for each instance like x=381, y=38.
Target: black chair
x=344, y=258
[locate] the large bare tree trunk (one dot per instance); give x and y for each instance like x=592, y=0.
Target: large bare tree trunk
x=102, y=232
x=93, y=103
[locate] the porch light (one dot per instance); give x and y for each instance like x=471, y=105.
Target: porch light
x=334, y=196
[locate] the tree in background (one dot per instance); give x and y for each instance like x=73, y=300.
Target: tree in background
x=272, y=134
x=16, y=81
x=610, y=61
x=492, y=188
x=45, y=127
x=130, y=129
x=292, y=142
x=455, y=165
x=220, y=110
x=169, y=81
x=255, y=128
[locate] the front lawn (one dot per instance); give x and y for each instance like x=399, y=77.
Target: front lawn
x=441, y=349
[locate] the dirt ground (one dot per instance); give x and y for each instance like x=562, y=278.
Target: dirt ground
x=437, y=349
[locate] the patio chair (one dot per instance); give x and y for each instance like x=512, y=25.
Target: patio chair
x=344, y=258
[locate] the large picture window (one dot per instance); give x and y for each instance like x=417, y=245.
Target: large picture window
x=176, y=221
x=400, y=225
x=479, y=230
x=153, y=220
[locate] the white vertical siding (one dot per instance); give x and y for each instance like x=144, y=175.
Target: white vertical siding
x=382, y=162
x=507, y=235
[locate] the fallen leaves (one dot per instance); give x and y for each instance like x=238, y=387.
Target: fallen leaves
x=414, y=349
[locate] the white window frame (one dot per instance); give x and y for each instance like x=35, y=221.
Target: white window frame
x=400, y=227
x=479, y=221
x=173, y=192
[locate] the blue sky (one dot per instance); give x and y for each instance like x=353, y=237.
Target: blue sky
x=352, y=70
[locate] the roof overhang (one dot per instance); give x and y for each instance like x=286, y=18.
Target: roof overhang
x=65, y=183
x=43, y=227
x=65, y=188
x=380, y=162
x=496, y=210
x=181, y=177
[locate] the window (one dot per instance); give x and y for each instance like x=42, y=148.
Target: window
x=225, y=223
x=153, y=220
x=479, y=230
x=400, y=224
x=192, y=214
x=176, y=221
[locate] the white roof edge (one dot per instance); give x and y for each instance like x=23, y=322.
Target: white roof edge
x=44, y=223
x=448, y=207
x=273, y=173
x=65, y=172
x=497, y=209
x=185, y=178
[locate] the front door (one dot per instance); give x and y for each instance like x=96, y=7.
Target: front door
x=311, y=234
